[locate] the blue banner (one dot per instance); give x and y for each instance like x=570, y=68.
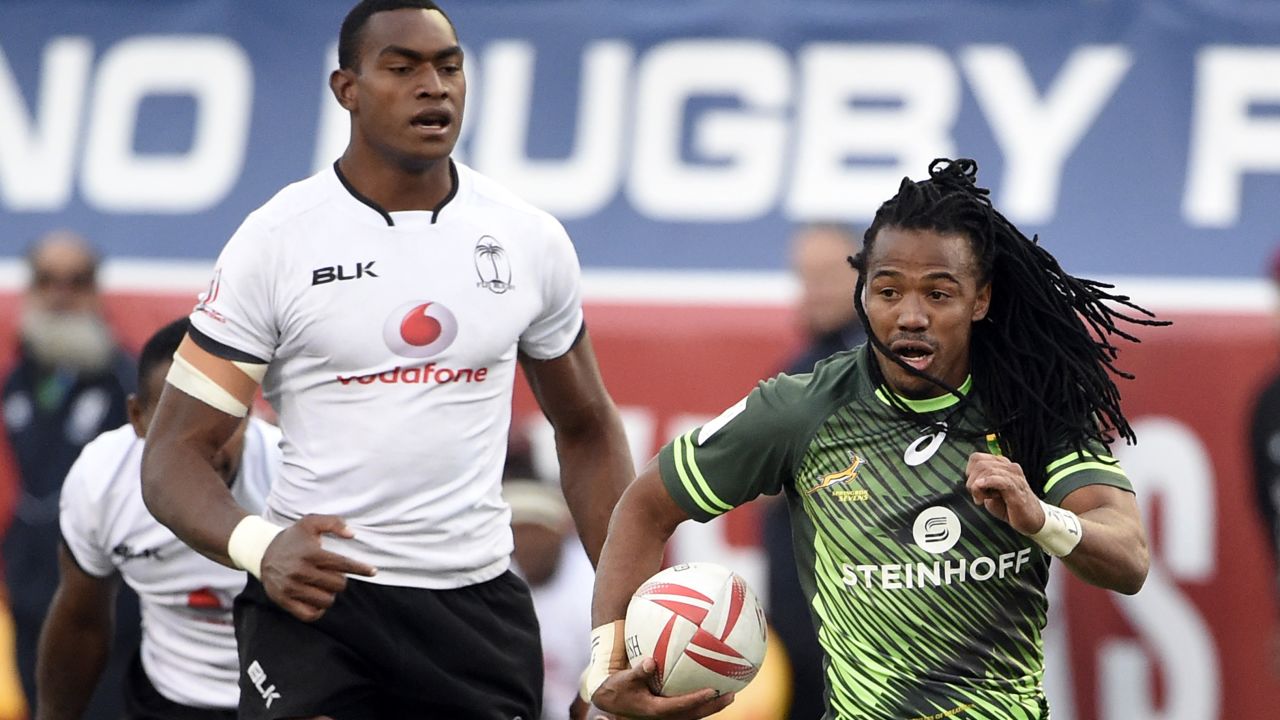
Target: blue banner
x=1134, y=137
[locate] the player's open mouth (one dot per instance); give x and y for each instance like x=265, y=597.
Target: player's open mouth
x=918, y=355
x=432, y=121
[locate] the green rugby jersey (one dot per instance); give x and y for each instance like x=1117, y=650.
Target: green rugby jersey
x=926, y=605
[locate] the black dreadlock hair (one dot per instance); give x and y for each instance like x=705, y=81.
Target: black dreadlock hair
x=1044, y=357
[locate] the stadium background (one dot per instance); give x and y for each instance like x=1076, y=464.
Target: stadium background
x=679, y=141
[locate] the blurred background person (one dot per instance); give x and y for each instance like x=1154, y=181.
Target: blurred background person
x=1264, y=446
x=187, y=667
x=551, y=560
x=819, y=256
x=819, y=259
x=68, y=385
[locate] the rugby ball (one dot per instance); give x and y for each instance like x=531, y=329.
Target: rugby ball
x=701, y=624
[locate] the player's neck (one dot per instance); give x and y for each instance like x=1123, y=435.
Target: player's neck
x=395, y=187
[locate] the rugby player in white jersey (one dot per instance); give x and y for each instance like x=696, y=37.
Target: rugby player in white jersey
x=383, y=304
x=187, y=667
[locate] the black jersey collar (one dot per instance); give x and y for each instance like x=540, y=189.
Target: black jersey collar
x=435, y=212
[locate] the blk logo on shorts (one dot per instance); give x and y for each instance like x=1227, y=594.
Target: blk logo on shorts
x=259, y=678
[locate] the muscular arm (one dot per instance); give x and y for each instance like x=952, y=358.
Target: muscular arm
x=643, y=521
x=179, y=484
x=595, y=462
x=1112, y=552
x=184, y=492
x=74, y=641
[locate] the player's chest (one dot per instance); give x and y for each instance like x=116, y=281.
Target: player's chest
x=900, y=483
x=399, y=296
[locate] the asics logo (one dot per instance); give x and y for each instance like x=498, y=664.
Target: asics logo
x=925, y=446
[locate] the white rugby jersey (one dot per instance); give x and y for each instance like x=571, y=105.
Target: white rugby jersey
x=391, y=340
x=188, y=641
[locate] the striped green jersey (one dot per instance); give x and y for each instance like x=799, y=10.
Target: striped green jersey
x=926, y=605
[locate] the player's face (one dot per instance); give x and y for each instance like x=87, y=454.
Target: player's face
x=922, y=296
x=408, y=96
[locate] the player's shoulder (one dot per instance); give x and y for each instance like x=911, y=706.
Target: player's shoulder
x=491, y=199
x=98, y=467
x=834, y=380
x=292, y=202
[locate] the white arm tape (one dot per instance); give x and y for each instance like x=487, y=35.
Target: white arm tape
x=188, y=378
x=255, y=371
x=1061, y=532
x=249, y=541
x=606, y=647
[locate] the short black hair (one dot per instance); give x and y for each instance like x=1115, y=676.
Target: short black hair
x=353, y=25
x=158, y=351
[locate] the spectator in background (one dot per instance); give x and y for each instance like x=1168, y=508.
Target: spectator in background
x=1264, y=446
x=187, y=667
x=820, y=262
x=551, y=560
x=68, y=386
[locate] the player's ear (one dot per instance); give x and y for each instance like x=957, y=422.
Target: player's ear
x=133, y=407
x=343, y=84
x=982, y=303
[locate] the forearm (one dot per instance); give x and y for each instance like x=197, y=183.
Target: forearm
x=73, y=653
x=595, y=469
x=1112, y=552
x=632, y=554
x=179, y=484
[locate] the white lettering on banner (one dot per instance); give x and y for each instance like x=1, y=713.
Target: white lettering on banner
x=583, y=183
x=1170, y=464
x=1226, y=142
x=37, y=150
x=893, y=104
x=212, y=70
x=856, y=117
x=746, y=147
x=1036, y=134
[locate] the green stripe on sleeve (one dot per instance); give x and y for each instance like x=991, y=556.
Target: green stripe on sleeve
x=693, y=481
x=1053, y=479
x=1076, y=456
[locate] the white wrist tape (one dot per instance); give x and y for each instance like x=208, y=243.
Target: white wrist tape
x=249, y=541
x=1061, y=532
x=188, y=378
x=608, y=656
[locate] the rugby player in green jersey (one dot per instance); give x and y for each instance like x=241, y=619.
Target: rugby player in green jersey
x=931, y=474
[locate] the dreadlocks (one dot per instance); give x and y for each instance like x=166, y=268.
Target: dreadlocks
x=1044, y=357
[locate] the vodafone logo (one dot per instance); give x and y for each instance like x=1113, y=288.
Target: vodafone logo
x=420, y=329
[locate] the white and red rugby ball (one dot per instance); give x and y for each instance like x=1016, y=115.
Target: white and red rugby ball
x=701, y=624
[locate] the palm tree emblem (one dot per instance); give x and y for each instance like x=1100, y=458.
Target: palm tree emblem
x=492, y=266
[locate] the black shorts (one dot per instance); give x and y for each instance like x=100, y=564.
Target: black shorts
x=143, y=702
x=393, y=653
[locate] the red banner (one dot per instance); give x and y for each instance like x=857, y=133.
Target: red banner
x=1196, y=643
